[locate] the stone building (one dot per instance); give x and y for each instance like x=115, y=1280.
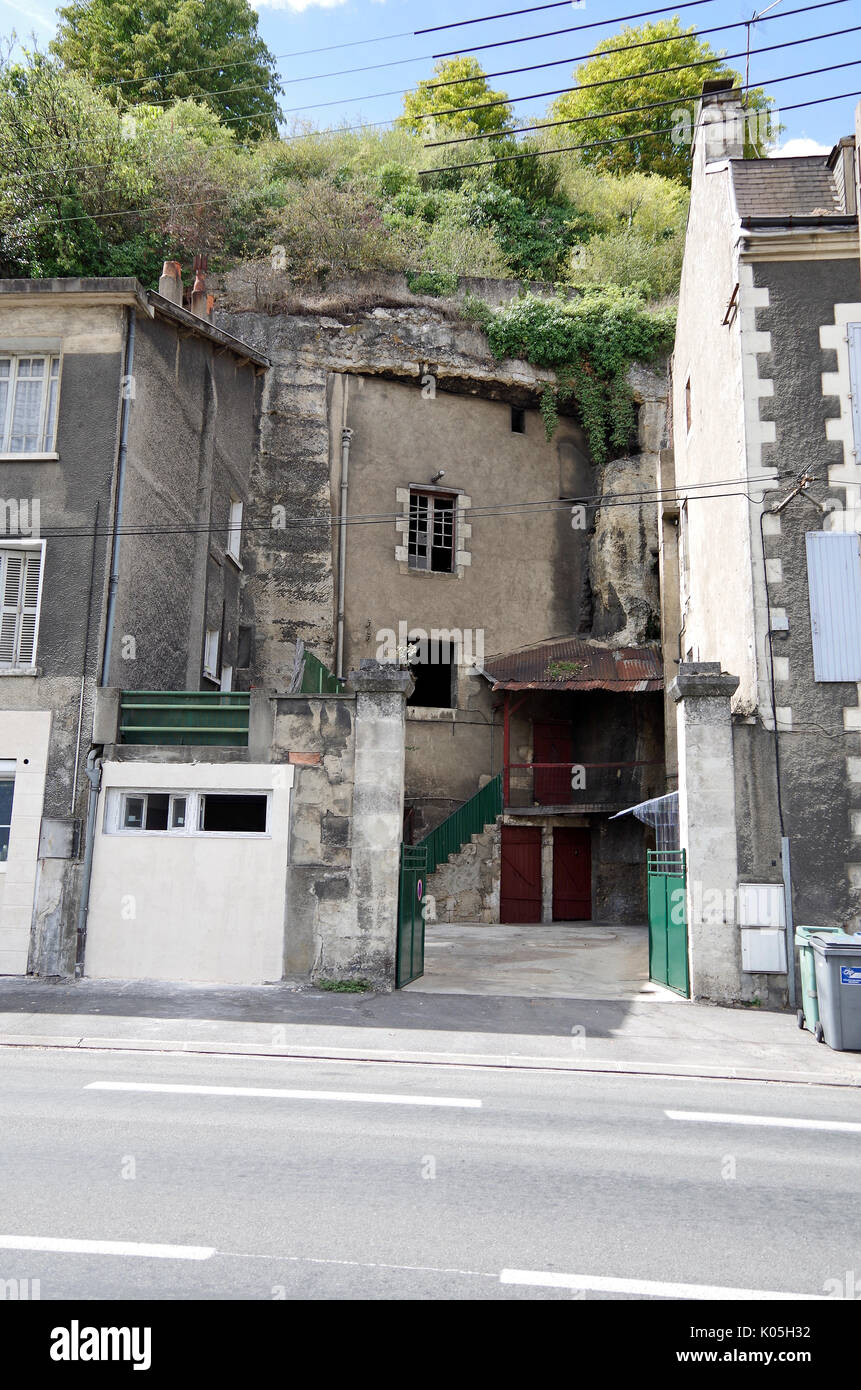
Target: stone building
x=761, y=578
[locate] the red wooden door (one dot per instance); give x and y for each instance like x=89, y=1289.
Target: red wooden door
x=520, y=890
x=572, y=875
x=552, y=743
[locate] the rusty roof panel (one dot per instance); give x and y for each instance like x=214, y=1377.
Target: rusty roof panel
x=573, y=664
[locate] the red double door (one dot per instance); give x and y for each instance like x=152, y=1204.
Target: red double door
x=520, y=890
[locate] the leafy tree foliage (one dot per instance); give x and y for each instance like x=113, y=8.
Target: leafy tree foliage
x=472, y=90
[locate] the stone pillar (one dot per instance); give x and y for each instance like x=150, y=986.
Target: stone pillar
x=707, y=827
x=378, y=812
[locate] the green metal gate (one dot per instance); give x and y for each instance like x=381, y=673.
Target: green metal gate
x=411, y=922
x=668, y=927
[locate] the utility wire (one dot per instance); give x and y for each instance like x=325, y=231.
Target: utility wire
x=634, y=76
x=619, y=139
x=574, y=28
x=633, y=110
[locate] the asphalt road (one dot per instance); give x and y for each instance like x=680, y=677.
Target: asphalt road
x=455, y=1182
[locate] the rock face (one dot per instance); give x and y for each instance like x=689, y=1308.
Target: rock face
x=372, y=326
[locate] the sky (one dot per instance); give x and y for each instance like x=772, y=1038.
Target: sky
x=320, y=86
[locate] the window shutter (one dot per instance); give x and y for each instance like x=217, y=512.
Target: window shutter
x=30, y=608
x=834, y=585
x=11, y=569
x=855, y=383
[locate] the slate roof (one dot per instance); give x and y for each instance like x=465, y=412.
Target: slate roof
x=581, y=666
x=799, y=187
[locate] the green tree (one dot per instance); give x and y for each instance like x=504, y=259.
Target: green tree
x=668, y=153
x=472, y=91
x=159, y=50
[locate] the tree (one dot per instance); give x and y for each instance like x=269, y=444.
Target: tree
x=472, y=90
x=163, y=50
x=668, y=153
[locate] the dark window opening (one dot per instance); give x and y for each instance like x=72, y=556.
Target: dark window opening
x=518, y=420
x=157, y=804
x=434, y=678
x=233, y=814
x=431, y=533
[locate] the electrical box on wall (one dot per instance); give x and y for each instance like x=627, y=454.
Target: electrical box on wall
x=762, y=919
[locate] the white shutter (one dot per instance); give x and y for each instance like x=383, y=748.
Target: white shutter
x=30, y=608
x=834, y=587
x=20, y=589
x=855, y=383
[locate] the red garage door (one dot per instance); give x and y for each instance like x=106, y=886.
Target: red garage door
x=520, y=892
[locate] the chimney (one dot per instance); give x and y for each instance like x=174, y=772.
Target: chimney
x=201, y=302
x=720, y=121
x=170, y=284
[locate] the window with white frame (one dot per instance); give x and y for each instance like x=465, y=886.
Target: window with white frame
x=854, y=337
x=234, y=533
x=29, y=388
x=210, y=653
x=186, y=813
x=7, y=794
x=20, y=594
x=431, y=532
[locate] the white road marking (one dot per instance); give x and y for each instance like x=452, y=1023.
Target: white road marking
x=64, y=1246
x=273, y=1093
x=648, y=1288
x=774, y=1121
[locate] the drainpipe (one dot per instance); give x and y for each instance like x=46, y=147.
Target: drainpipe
x=346, y=436
x=121, y=481
x=93, y=771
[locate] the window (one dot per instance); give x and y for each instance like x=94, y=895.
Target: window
x=855, y=383
x=28, y=404
x=20, y=593
x=834, y=587
x=234, y=534
x=7, y=792
x=434, y=688
x=226, y=814
x=181, y=813
x=518, y=420
x=431, y=532
x=210, y=653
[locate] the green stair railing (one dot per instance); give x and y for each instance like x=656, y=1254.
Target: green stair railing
x=317, y=679
x=469, y=819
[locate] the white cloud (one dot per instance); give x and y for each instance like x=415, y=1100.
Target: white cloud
x=794, y=148
x=298, y=6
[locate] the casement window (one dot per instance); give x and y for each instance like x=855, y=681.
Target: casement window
x=29, y=388
x=210, y=653
x=186, y=813
x=834, y=588
x=518, y=420
x=435, y=678
x=431, y=532
x=855, y=383
x=234, y=533
x=7, y=795
x=21, y=593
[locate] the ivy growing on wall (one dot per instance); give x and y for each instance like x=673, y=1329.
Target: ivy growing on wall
x=590, y=342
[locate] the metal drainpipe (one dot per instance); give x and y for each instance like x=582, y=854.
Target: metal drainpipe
x=121, y=481
x=346, y=436
x=93, y=771
x=93, y=767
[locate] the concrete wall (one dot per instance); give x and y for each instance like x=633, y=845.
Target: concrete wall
x=195, y=907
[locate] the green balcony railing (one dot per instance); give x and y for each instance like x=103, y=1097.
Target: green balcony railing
x=469, y=819
x=214, y=718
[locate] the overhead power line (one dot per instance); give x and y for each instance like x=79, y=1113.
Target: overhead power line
x=634, y=110
x=577, y=28
x=635, y=76
x=626, y=47
x=634, y=135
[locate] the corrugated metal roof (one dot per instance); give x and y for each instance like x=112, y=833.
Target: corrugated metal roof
x=573, y=664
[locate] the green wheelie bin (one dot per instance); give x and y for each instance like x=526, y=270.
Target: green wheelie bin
x=808, y=1014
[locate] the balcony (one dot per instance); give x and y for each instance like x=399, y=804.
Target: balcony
x=201, y=717
x=578, y=787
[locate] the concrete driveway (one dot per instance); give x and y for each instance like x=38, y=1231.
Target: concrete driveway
x=573, y=960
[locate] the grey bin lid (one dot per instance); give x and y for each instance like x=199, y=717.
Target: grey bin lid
x=839, y=945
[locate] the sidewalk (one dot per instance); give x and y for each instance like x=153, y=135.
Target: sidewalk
x=284, y=1020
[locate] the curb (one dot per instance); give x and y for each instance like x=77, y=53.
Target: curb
x=487, y=1061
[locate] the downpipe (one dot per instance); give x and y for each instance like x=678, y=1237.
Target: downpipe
x=93, y=771
x=346, y=436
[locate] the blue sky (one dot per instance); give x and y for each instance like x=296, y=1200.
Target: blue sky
x=384, y=32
